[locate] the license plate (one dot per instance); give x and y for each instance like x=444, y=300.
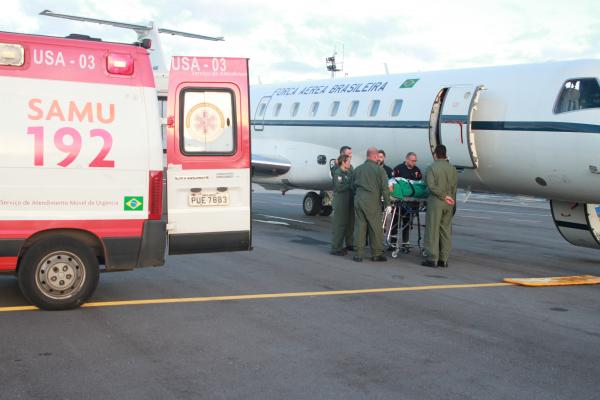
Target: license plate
x=209, y=199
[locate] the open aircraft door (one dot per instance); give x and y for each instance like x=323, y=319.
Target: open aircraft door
x=208, y=155
x=455, y=124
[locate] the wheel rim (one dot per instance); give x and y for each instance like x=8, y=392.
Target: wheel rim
x=308, y=204
x=59, y=275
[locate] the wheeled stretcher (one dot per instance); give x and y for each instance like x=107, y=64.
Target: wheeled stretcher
x=408, y=201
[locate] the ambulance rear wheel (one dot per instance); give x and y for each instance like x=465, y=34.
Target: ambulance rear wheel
x=311, y=204
x=58, y=274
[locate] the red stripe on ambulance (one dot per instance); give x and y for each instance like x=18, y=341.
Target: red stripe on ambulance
x=101, y=228
x=8, y=263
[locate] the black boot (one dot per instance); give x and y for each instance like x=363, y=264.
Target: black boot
x=379, y=258
x=429, y=263
x=338, y=252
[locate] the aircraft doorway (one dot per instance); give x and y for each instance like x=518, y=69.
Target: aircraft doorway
x=434, y=120
x=450, y=123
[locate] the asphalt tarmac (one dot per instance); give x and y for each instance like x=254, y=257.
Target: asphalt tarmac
x=290, y=321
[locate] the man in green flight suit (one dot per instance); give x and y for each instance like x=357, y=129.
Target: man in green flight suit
x=343, y=207
x=369, y=182
x=441, y=180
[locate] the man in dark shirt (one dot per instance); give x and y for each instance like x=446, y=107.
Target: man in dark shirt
x=408, y=170
x=381, y=161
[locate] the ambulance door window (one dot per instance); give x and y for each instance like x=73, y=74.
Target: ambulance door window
x=208, y=122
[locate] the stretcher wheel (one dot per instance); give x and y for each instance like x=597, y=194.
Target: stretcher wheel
x=423, y=253
x=395, y=254
x=405, y=250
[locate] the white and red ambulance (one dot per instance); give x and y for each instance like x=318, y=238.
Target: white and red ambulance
x=81, y=162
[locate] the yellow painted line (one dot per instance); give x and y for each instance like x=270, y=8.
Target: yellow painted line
x=268, y=296
x=18, y=308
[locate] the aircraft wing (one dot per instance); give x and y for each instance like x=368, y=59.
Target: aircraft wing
x=269, y=166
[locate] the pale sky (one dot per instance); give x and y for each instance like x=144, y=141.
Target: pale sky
x=289, y=40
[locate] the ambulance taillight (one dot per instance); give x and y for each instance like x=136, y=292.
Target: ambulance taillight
x=155, y=195
x=11, y=54
x=119, y=64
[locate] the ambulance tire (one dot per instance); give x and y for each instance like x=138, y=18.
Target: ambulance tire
x=311, y=205
x=58, y=273
x=326, y=211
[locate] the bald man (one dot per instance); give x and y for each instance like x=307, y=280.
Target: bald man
x=370, y=186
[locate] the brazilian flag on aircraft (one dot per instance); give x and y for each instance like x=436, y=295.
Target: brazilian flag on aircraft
x=407, y=84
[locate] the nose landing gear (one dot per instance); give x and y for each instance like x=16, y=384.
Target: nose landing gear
x=317, y=204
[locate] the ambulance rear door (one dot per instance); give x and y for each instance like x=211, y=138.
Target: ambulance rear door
x=208, y=155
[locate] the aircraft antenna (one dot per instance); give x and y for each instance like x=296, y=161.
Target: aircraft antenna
x=332, y=65
x=149, y=31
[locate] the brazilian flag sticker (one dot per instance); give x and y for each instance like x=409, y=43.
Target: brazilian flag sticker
x=133, y=203
x=407, y=84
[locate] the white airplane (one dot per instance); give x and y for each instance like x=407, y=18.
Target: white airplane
x=524, y=129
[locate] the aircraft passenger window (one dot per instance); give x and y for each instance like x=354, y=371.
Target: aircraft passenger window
x=396, y=107
x=277, y=109
x=353, y=108
x=335, y=106
x=209, y=122
x=295, y=108
x=314, y=107
x=261, y=110
x=374, y=108
x=578, y=94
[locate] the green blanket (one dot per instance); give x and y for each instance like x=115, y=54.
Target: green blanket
x=407, y=188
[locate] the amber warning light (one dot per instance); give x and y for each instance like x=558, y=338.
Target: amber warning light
x=11, y=54
x=119, y=64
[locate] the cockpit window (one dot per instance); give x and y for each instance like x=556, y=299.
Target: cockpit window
x=578, y=94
